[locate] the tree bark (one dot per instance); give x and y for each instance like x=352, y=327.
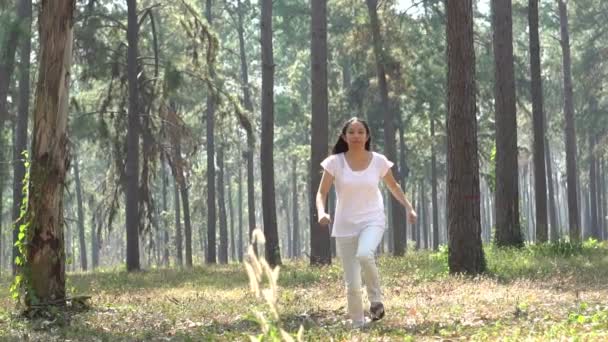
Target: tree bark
x=273, y=253
x=165, y=207
x=183, y=188
x=95, y=228
x=211, y=203
x=132, y=164
x=424, y=222
x=416, y=226
x=464, y=231
x=320, y=246
x=398, y=212
x=570, y=132
x=240, y=211
x=434, y=189
x=593, y=227
x=7, y=56
x=540, y=178
x=403, y=181
x=508, y=231
x=287, y=248
x=231, y=215
x=223, y=252
x=178, y=227
x=554, y=232
x=295, y=207
x=603, y=201
x=69, y=255
x=50, y=156
x=80, y=210
x=245, y=123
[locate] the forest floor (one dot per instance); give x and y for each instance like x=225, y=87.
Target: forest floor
x=550, y=292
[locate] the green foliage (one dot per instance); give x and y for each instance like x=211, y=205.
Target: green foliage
x=563, y=248
x=441, y=255
x=22, y=282
x=540, y=261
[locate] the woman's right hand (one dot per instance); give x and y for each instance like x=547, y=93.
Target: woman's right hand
x=324, y=219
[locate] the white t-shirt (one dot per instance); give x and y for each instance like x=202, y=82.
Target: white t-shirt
x=358, y=199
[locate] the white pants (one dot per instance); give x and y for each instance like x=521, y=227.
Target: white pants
x=358, y=259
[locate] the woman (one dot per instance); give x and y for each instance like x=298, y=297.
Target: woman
x=359, y=221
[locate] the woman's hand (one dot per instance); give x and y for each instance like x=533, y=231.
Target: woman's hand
x=324, y=219
x=412, y=217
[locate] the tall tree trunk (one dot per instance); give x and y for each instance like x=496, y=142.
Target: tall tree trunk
x=603, y=202
x=24, y=12
x=132, y=165
x=295, y=207
x=50, y=157
x=593, y=226
x=80, y=210
x=398, y=213
x=306, y=236
x=416, y=226
x=570, y=133
x=320, y=245
x=273, y=253
x=240, y=210
x=1, y=208
x=94, y=240
x=508, y=231
x=165, y=207
x=231, y=214
x=403, y=180
x=540, y=178
x=464, y=231
x=287, y=251
x=528, y=203
x=424, y=222
x=598, y=195
x=68, y=241
x=526, y=195
x=585, y=212
x=554, y=232
x=7, y=54
x=246, y=123
x=211, y=203
x=183, y=188
x=488, y=206
x=178, y=226
x=561, y=210
x=434, y=189
x=223, y=252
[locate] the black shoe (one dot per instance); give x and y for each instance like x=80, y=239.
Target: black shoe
x=376, y=310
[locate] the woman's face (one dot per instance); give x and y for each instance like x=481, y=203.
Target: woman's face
x=356, y=135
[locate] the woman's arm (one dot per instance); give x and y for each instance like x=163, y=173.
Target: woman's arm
x=326, y=180
x=394, y=188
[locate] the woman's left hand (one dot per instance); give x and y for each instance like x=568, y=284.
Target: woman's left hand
x=412, y=217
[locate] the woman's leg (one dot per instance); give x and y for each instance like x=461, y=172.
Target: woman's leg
x=347, y=248
x=369, y=239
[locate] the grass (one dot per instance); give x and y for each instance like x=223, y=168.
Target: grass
x=535, y=293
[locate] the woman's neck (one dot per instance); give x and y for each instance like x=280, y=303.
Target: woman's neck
x=357, y=152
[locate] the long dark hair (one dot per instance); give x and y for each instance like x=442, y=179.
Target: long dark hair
x=341, y=145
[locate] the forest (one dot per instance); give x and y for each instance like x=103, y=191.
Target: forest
x=160, y=162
